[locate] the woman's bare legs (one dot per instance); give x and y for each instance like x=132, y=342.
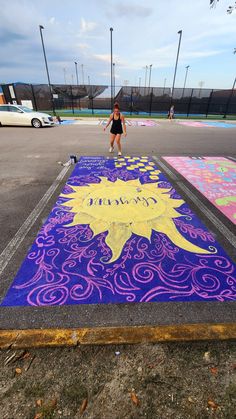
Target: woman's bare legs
x=118, y=137
x=112, y=140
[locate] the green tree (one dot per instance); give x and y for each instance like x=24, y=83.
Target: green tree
x=230, y=8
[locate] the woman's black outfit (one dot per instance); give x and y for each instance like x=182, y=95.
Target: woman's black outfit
x=116, y=127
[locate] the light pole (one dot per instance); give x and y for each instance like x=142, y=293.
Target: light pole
x=164, y=87
x=139, y=82
x=64, y=71
x=76, y=72
x=114, y=81
x=176, y=64
x=111, y=30
x=201, y=84
x=146, y=68
x=150, y=72
x=82, y=71
x=46, y=65
x=187, y=67
x=88, y=80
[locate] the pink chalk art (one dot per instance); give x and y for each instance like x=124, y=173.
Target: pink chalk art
x=195, y=124
x=214, y=177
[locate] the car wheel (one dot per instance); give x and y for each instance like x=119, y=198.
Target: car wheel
x=36, y=123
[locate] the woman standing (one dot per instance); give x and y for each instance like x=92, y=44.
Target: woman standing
x=171, y=112
x=116, y=130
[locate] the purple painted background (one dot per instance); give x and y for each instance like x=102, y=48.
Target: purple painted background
x=67, y=265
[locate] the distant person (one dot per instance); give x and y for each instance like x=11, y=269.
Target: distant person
x=116, y=130
x=57, y=118
x=171, y=113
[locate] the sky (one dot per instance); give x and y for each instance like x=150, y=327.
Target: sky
x=144, y=33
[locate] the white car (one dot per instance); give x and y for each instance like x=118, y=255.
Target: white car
x=21, y=115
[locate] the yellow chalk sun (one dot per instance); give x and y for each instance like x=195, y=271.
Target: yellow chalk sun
x=122, y=208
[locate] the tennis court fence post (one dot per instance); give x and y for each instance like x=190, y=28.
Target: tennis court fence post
x=34, y=98
x=229, y=99
x=131, y=102
x=208, y=104
x=150, y=104
x=189, y=103
x=72, y=100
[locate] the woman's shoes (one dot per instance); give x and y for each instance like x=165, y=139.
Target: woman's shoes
x=111, y=150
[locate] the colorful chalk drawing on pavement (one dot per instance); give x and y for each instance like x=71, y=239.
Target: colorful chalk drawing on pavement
x=214, y=177
x=206, y=124
x=134, y=122
x=86, y=122
x=119, y=233
x=143, y=123
x=77, y=122
x=219, y=124
x=196, y=124
x=66, y=122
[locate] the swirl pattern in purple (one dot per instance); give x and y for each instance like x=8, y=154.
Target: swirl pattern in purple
x=68, y=265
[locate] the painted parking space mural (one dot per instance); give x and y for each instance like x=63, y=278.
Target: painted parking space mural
x=86, y=122
x=206, y=124
x=134, y=123
x=219, y=124
x=119, y=233
x=143, y=123
x=66, y=122
x=214, y=177
x=195, y=124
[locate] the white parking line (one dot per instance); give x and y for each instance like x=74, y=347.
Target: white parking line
x=13, y=245
x=165, y=168
x=231, y=158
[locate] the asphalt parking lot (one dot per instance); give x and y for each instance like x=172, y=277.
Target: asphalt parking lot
x=28, y=158
x=31, y=178
x=168, y=380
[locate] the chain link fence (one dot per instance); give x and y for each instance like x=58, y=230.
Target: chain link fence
x=132, y=99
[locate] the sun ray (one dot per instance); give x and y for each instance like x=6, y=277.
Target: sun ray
x=98, y=226
x=172, y=213
x=142, y=229
x=167, y=226
x=81, y=218
x=117, y=237
x=153, y=187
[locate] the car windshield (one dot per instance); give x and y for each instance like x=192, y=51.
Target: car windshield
x=25, y=109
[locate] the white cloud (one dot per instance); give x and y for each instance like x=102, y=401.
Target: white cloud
x=132, y=10
x=52, y=20
x=83, y=45
x=201, y=54
x=106, y=58
x=86, y=26
x=106, y=74
x=103, y=57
